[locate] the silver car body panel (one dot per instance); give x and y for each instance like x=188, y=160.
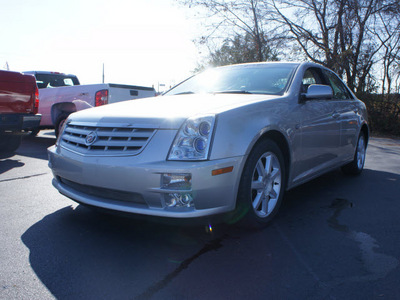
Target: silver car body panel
x=141, y=176
x=321, y=135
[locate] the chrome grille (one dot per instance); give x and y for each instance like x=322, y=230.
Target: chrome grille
x=108, y=140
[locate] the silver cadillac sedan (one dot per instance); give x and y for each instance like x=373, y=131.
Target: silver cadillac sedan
x=230, y=141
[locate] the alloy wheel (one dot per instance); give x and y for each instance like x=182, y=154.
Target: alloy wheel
x=266, y=184
x=361, y=152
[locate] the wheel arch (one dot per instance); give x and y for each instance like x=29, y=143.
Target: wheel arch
x=244, y=210
x=61, y=108
x=365, y=131
x=280, y=139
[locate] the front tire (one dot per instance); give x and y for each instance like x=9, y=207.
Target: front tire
x=262, y=185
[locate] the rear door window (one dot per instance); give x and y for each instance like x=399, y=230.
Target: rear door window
x=340, y=91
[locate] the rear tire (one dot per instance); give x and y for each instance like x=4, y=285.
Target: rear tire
x=262, y=185
x=357, y=165
x=34, y=132
x=9, y=143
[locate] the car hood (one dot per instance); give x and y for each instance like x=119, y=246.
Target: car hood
x=166, y=112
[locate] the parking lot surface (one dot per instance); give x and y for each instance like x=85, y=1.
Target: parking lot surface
x=336, y=237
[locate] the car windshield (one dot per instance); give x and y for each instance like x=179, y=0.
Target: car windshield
x=239, y=79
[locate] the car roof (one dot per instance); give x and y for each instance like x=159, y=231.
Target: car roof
x=48, y=73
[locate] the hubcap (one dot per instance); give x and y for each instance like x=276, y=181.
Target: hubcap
x=266, y=184
x=361, y=152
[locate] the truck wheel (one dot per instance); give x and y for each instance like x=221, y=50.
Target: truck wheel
x=262, y=185
x=34, y=132
x=59, y=123
x=9, y=142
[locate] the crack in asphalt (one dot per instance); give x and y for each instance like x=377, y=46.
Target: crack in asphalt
x=23, y=177
x=152, y=290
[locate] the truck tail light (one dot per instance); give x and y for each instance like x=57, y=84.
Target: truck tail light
x=36, y=101
x=101, y=97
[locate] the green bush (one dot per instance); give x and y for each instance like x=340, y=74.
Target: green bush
x=383, y=113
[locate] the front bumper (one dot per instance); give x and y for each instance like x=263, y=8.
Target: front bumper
x=133, y=184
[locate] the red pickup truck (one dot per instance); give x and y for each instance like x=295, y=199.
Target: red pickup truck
x=19, y=101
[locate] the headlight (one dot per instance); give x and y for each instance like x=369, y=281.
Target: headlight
x=193, y=139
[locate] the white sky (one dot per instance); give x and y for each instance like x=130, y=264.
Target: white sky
x=140, y=42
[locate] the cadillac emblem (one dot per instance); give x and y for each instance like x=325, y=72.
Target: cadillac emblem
x=91, y=138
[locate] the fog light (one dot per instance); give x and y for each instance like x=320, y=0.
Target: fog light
x=178, y=200
x=170, y=200
x=186, y=200
x=178, y=181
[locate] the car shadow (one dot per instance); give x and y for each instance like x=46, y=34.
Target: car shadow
x=80, y=253
x=8, y=164
x=334, y=187
x=36, y=147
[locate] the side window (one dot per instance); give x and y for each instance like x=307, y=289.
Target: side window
x=311, y=76
x=68, y=82
x=340, y=91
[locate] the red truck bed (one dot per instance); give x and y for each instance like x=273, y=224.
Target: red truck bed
x=18, y=108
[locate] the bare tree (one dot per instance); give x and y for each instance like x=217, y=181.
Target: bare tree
x=389, y=35
x=240, y=49
x=355, y=38
x=336, y=33
x=228, y=19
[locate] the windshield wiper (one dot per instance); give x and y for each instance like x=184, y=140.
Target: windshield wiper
x=233, y=92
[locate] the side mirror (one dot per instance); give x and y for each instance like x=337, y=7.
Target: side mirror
x=318, y=92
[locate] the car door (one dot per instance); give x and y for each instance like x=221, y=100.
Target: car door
x=347, y=112
x=319, y=129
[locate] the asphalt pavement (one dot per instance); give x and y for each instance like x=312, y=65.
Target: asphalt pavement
x=336, y=237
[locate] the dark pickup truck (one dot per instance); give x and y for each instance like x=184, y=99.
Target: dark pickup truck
x=19, y=100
